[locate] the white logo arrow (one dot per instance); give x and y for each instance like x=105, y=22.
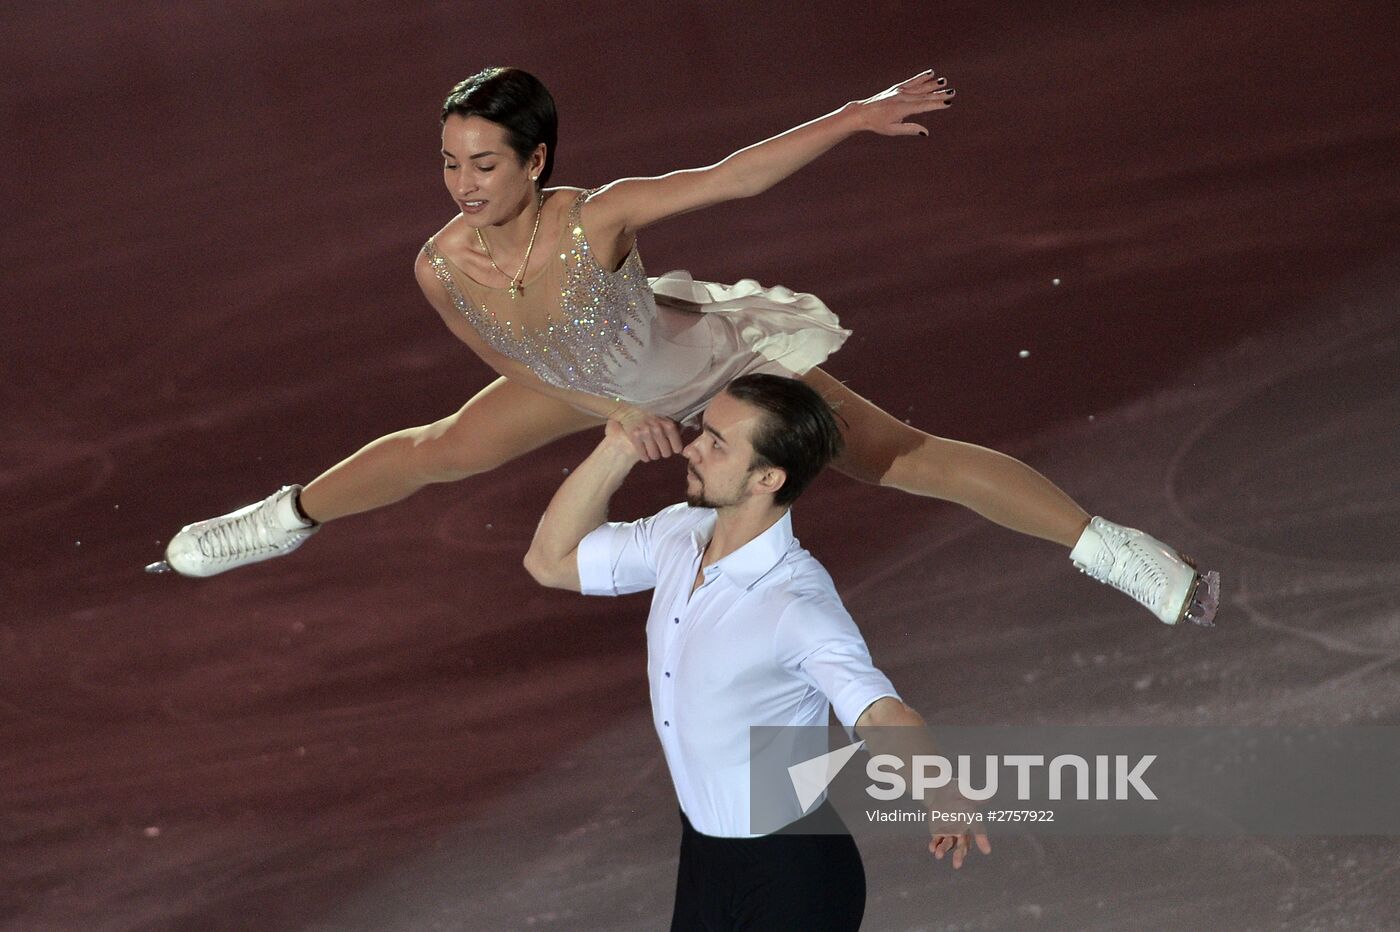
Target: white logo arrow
x=811, y=777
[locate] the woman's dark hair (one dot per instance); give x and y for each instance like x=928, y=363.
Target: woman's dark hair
x=514, y=99
x=798, y=433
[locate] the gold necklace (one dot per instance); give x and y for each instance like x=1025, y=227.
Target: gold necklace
x=517, y=281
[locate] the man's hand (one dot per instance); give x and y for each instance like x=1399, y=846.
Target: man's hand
x=958, y=843
x=617, y=441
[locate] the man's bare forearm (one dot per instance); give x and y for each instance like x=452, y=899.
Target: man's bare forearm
x=913, y=737
x=578, y=507
x=889, y=727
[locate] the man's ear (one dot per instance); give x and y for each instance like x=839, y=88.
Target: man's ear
x=769, y=480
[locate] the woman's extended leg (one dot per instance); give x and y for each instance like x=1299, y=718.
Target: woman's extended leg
x=503, y=421
x=883, y=450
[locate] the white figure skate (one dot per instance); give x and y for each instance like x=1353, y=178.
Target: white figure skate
x=1143, y=567
x=266, y=529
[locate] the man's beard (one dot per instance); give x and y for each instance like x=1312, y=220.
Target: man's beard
x=702, y=499
x=697, y=499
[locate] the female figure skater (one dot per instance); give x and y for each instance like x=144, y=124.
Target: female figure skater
x=546, y=286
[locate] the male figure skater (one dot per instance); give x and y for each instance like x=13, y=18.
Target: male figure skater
x=745, y=629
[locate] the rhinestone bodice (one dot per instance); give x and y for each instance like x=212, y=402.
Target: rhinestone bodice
x=576, y=324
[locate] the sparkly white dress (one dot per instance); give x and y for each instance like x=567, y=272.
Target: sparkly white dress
x=666, y=344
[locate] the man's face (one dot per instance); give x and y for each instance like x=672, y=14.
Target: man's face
x=719, y=461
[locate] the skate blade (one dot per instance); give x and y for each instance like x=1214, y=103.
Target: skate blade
x=1205, y=600
x=160, y=566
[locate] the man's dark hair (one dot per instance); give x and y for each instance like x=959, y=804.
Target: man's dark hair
x=514, y=99
x=798, y=432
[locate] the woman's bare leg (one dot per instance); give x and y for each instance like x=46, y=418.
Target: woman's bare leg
x=503, y=421
x=883, y=450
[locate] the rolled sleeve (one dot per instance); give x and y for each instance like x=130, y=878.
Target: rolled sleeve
x=818, y=640
x=616, y=558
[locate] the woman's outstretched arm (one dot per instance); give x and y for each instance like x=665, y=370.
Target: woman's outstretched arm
x=625, y=206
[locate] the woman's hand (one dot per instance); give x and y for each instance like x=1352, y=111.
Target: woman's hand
x=655, y=437
x=886, y=112
x=619, y=210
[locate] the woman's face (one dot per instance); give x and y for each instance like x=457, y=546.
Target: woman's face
x=482, y=172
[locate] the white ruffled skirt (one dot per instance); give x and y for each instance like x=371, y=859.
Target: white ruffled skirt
x=708, y=334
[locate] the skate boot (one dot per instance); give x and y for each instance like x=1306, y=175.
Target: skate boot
x=266, y=529
x=1148, y=570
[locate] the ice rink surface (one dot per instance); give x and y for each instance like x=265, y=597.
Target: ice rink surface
x=1185, y=215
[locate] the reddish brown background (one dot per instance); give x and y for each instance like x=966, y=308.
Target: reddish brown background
x=211, y=212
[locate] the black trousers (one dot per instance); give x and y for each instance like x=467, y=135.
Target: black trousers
x=812, y=883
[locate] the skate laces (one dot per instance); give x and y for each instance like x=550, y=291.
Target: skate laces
x=1129, y=565
x=246, y=534
x=1142, y=577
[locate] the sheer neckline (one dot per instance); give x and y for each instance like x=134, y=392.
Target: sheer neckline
x=559, y=241
x=571, y=229
x=526, y=284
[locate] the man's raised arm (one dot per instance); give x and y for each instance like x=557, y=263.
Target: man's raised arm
x=579, y=507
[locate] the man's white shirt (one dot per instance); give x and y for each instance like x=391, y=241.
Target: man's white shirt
x=764, y=640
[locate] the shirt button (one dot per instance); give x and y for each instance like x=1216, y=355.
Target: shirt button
x=668, y=674
x=667, y=724
x=677, y=620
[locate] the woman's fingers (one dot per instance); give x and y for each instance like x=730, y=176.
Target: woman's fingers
x=646, y=443
x=940, y=101
x=922, y=76
x=673, y=435
x=916, y=103
x=925, y=83
x=654, y=437
x=659, y=438
x=890, y=115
